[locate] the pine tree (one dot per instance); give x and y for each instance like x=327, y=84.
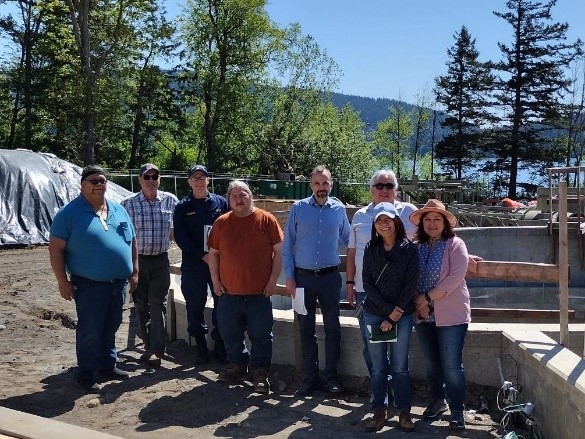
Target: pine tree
x=463, y=92
x=532, y=80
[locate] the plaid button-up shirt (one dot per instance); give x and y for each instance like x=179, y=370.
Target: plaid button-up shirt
x=152, y=220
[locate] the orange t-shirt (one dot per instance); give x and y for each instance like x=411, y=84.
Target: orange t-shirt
x=245, y=250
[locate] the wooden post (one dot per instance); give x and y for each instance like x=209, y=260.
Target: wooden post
x=563, y=265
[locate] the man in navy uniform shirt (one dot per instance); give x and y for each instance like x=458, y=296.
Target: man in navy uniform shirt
x=192, y=220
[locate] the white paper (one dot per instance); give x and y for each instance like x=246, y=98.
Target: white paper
x=298, y=302
x=206, y=232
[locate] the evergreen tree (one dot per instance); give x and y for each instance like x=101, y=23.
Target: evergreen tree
x=532, y=81
x=463, y=92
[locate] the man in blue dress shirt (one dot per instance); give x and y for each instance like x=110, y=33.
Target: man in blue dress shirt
x=314, y=228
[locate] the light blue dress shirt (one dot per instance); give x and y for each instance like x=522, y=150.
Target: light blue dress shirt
x=312, y=235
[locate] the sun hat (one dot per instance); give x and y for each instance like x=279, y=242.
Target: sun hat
x=387, y=209
x=433, y=206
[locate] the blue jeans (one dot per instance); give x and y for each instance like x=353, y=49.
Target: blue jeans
x=150, y=301
x=391, y=359
x=237, y=314
x=99, y=314
x=442, y=347
x=325, y=289
x=194, y=285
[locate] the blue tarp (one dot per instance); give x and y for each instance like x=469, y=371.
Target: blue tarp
x=33, y=187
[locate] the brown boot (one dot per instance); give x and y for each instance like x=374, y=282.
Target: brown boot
x=260, y=381
x=405, y=421
x=377, y=421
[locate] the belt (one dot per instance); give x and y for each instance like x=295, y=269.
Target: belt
x=318, y=272
x=160, y=255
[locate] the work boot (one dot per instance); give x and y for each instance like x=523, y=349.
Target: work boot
x=219, y=352
x=260, y=381
x=234, y=373
x=405, y=421
x=378, y=420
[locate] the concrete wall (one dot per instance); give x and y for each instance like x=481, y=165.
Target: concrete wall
x=552, y=378
x=522, y=244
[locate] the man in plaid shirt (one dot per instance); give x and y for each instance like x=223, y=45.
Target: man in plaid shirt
x=151, y=211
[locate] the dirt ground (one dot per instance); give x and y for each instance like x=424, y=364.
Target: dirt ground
x=180, y=400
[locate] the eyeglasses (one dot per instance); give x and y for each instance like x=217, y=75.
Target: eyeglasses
x=381, y=186
x=148, y=177
x=200, y=178
x=96, y=181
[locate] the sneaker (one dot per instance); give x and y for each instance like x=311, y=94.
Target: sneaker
x=405, y=421
x=89, y=387
x=234, y=373
x=260, y=381
x=115, y=374
x=307, y=387
x=435, y=408
x=378, y=420
x=457, y=421
x=333, y=385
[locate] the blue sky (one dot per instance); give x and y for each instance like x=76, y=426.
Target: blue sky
x=392, y=48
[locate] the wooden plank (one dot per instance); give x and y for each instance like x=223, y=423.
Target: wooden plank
x=176, y=268
x=531, y=314
x=563, y=265
x=514, y=271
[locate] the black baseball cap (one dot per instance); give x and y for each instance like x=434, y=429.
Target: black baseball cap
x=193, y=169
x=91, y=170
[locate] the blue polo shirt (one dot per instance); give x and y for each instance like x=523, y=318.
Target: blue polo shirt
x=189, y=221
x=91, y=251
x=312, y=235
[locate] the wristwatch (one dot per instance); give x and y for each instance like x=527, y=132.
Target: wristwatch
x=350, y=282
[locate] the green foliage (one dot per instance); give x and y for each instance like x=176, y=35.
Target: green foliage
x=355, y=194
x=392, y=139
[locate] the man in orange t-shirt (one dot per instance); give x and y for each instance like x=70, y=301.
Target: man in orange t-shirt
x=245, y=262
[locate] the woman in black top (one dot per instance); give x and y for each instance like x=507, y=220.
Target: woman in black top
x=390, y=273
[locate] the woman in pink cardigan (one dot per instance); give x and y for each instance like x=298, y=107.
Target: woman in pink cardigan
x=443, y=309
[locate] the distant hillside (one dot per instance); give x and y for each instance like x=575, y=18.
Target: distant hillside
x=373, y=110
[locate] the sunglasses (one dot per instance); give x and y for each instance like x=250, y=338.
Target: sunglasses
x=96, y=181
x=381, y=186
x=148, y=177
x=200, y=178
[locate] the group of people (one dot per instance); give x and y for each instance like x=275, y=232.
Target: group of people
x=405, y=268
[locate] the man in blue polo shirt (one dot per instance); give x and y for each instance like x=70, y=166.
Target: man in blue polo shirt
x=314, y=229
x=192, y=222
x=93, y=255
